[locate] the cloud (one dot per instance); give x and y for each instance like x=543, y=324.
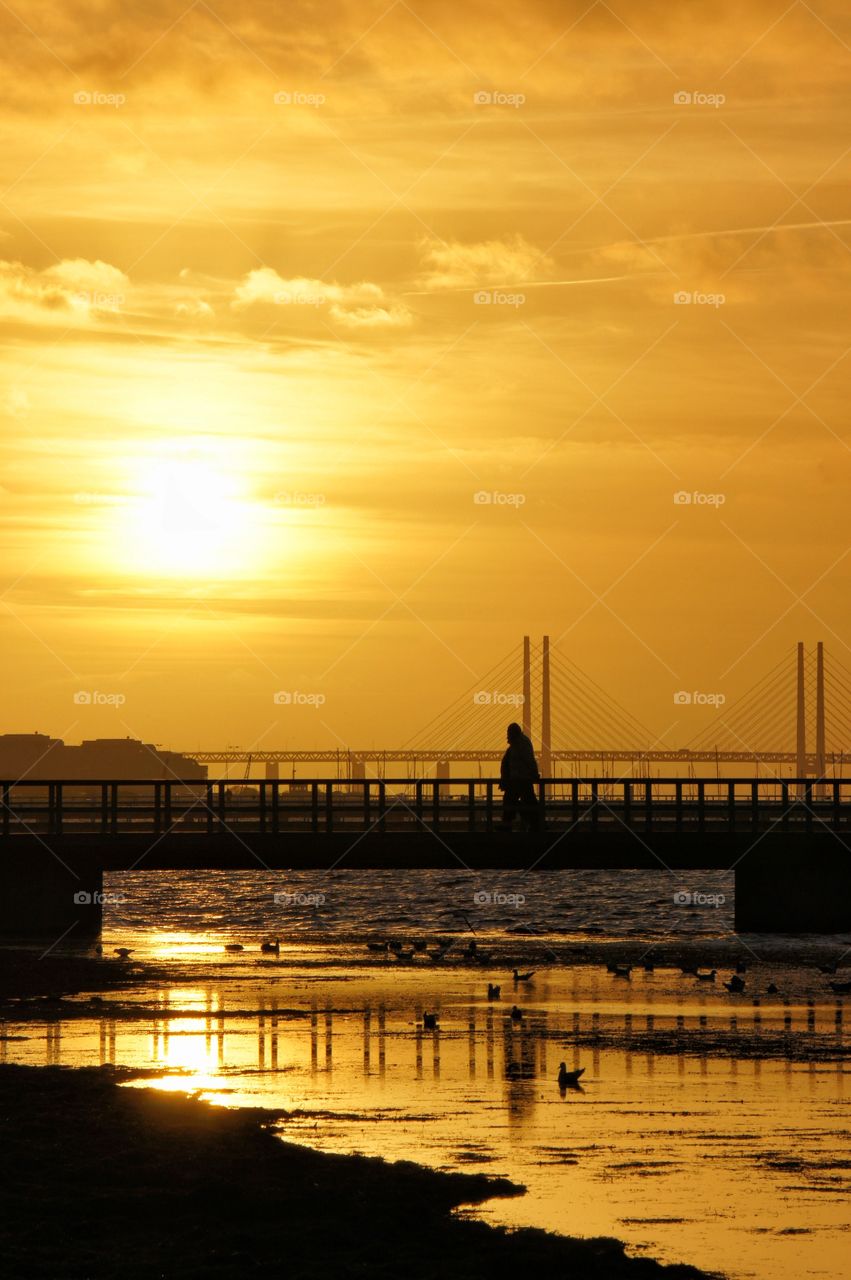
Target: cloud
x=75, y=287
x=358, y=306
x=754, y=260
x=393, y=317
x=194, y=308
x=454, y=265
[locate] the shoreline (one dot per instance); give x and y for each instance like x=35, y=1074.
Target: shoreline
x=139, y=1183
x=93, y=1163
x=189, y=1148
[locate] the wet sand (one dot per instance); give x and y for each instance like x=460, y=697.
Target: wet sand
x=108, y=1182
x=712, y=1129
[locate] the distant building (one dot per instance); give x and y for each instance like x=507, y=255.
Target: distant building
x=40, y=757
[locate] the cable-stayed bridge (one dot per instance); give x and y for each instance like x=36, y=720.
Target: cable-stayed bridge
x=795, y=720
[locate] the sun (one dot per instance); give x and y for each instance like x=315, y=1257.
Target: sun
x=193, y=515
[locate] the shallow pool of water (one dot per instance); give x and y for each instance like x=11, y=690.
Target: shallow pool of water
x=709, y=1129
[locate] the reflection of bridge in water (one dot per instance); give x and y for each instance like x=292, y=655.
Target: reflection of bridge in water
x=473, y=1042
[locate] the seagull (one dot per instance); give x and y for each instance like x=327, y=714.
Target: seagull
x=706, y=977
x=493, y=991
x=234, y=946
x=271, y=948
x=840, y=987
x=621, y=970
x=430, y=1021
x=736, y=984
x=376, y=946
x=124, y=952
x=649, y=966
x=569, y=1079
x=524, y=977
x=516, y=1014
x=771, y=989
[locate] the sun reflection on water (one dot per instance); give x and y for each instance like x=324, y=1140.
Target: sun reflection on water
x=708, y=1135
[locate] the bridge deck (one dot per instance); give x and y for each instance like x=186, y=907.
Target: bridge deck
x=568, y=807
x=789, y=841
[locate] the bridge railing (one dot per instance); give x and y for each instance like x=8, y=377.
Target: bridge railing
x=274, y=807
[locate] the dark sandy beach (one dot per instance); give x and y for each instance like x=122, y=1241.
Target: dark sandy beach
x=107, y=1182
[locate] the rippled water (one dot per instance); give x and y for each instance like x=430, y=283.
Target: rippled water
x=347, y=904
x=711, y=1128
x=701, y=1133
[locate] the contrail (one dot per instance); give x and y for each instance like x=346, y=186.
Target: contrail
x=632, y=275
x=742, y=231
x=528, y=284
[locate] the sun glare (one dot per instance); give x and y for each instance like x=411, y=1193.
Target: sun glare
x=194, y=516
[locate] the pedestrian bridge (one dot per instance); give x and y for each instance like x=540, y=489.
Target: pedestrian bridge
x=788, y=841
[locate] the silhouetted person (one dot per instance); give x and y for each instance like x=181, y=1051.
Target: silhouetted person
x=517, y=777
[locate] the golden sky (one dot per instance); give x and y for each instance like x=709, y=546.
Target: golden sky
x=284, y=287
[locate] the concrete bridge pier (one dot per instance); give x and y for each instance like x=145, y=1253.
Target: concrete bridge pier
x=43, y=897
x=786, y=889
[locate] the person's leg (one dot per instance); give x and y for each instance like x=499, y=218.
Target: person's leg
x=529, y=805
x=509, y=802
